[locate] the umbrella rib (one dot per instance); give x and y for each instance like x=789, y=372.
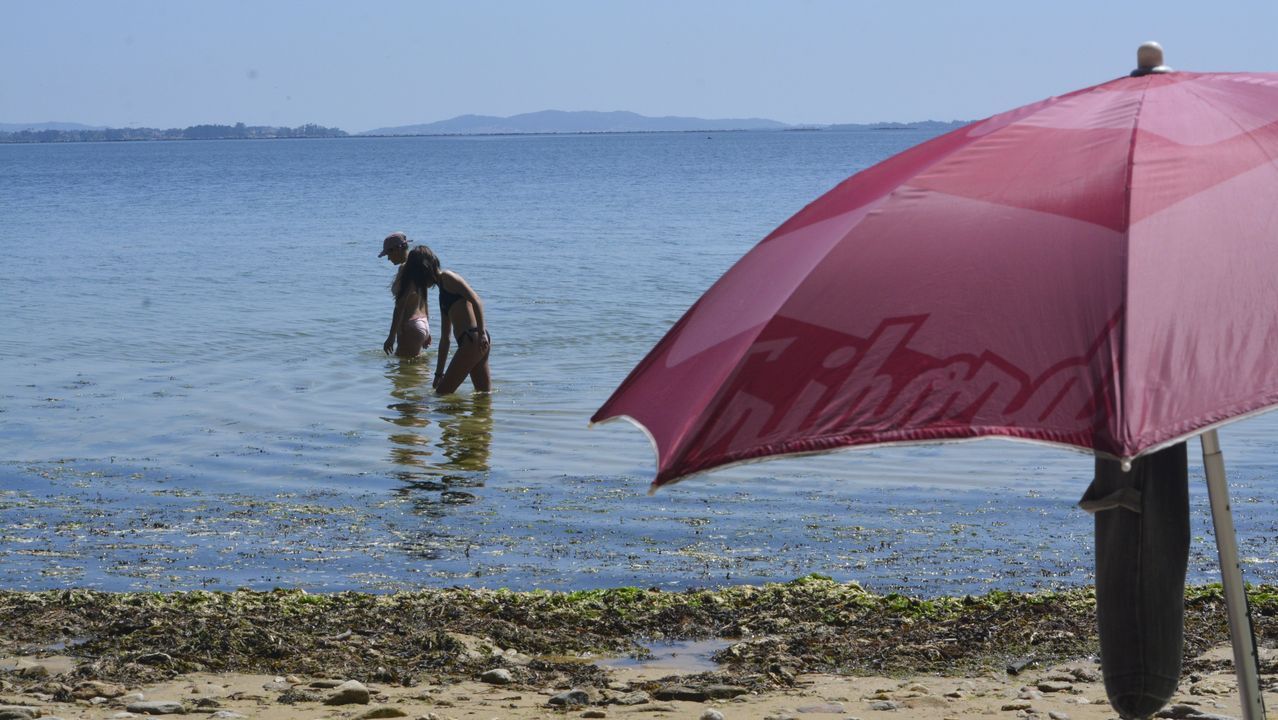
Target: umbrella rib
x=1121, y=396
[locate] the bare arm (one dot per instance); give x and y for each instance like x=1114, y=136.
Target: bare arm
x=396, y=318
x=445, y=338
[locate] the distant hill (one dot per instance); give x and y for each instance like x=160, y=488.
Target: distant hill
x=585, y=121
x=36, y=127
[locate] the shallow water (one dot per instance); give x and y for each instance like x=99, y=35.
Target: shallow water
x=195, y=394
x=670, y=657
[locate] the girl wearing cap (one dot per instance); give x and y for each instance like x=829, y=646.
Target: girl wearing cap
x=410, y=322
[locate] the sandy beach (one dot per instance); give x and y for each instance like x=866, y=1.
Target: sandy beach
x=1066, y=690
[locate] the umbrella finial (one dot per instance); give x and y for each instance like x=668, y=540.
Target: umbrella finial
x=1149, y=59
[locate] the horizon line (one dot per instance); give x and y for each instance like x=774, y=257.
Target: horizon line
x=806, y=124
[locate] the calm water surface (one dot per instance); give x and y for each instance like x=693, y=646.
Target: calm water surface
x=194, y=394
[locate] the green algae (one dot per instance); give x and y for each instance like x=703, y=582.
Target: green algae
x=811, y=624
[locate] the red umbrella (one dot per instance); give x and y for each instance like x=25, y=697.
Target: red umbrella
x=1095, y=270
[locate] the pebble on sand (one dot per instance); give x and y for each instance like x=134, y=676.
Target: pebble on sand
x=351, y=692
x=156, y=707
x=724, y=692
x=90, y=689
x=382, y=711
x=835, y=708
x=635, y=697
x=680, y=692
x=571, y=697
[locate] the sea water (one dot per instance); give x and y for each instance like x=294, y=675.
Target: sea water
x=193, y=392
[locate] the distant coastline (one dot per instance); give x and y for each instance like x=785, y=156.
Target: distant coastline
x=67, y=132
x=548, y=122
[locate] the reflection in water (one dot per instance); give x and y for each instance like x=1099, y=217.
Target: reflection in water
x=410, y=446
x=437, y=462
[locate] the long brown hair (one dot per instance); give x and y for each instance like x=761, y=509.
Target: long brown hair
x=421, y=271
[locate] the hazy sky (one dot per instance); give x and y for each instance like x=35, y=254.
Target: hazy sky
x=359, y=65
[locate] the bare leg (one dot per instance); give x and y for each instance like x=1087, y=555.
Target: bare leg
x=468, y=355
x=481, y=377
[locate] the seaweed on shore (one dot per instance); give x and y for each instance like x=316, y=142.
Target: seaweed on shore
x=812, y=624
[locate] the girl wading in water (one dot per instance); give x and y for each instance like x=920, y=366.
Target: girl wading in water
x=461, y=317
x=410, y=323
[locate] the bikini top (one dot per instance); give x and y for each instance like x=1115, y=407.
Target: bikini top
x=446, y=299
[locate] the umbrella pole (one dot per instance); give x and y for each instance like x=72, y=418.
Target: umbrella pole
x=1245, y=665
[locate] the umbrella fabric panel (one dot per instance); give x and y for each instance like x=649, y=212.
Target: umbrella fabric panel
x=875, y=182
x=1203, y=331
x=1077, y=173
x=1193, y=135
x=1205, y=109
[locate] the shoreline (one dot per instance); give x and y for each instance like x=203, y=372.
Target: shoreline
x=809, y=645
x=811, y=624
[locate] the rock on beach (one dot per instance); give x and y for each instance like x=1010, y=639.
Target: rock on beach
x=351, y=692
x=635, y=697
x=681, y=692
x=156, y=707
x=382, y=711
x=497, y=676
x=569, y=698
x=90, y=689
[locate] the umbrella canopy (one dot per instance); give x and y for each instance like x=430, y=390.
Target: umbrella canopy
x=1095, y=270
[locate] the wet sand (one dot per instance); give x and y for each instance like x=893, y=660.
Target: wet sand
x=1066, y=690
